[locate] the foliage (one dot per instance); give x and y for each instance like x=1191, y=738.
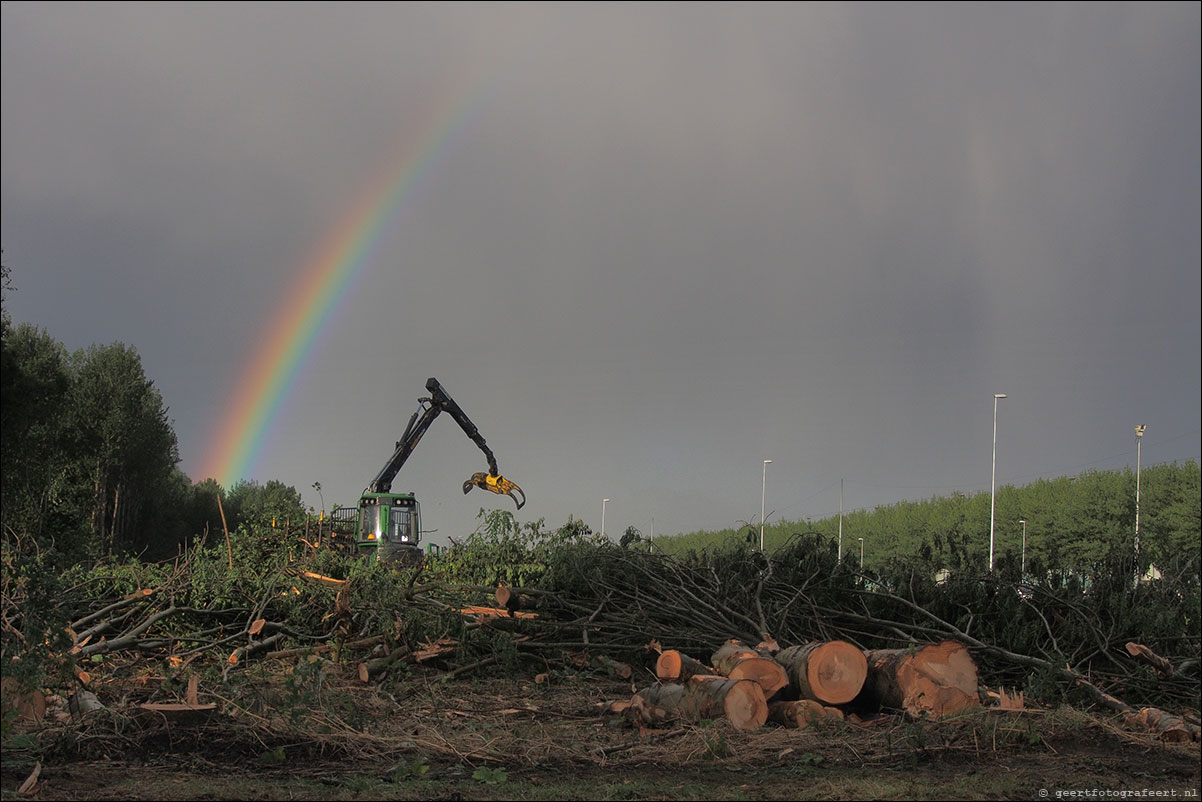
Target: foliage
x=275, y=503
x=1076, y=526
x=501, y=550
x=38, y=497
x=490, y=776
x=126, y=450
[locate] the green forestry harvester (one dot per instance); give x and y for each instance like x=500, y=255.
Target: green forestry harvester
x=387, y=525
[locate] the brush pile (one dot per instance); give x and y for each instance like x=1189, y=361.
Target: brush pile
x=857, y=645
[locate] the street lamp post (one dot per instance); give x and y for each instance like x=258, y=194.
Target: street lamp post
x=604, y=501
x=993, y=481
x=839, y=557
x=1139, y=439
x=861, y=554
x=1023, y=569
x=763, y=492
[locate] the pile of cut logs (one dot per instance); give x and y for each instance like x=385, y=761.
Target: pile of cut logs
x=803, y=684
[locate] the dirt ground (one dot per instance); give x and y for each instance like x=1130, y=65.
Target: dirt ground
x=426, y=737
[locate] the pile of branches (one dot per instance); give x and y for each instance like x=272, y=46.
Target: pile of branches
x=587, y=602
x=1045, y=638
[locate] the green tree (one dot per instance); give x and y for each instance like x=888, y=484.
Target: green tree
x=34, y=381
x=249, y=502
x=126, y=447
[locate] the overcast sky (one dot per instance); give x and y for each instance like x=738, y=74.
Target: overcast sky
x=662, y=243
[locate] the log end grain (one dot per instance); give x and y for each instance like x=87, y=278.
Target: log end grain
x=802, y=713
x=766, y=673
x=744, y=705
x=945, y=680
x=836, y=672
x=937, y=679
x=667, y=666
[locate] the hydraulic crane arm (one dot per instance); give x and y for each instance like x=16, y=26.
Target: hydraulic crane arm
x=429, y=409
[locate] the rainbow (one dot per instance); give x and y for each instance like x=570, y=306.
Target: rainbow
x=267, y=377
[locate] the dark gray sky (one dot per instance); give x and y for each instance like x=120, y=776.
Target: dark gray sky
x=665, y=243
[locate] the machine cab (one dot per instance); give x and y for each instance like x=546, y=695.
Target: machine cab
x=389, y=524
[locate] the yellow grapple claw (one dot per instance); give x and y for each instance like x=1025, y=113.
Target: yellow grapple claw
x=496, y=484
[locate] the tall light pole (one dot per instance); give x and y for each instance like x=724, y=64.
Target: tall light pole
x=763, y=492
x=1023, y=570
x=840, y=555
x=604, y=501
x=861, y=554
x=993, y=481
x=1139, y=439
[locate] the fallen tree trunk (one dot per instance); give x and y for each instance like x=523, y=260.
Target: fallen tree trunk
x=939, y=679
x=831, y=672
x=739, y=701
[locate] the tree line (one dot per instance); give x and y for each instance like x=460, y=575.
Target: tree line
x=1074, y=525
x=89, y=465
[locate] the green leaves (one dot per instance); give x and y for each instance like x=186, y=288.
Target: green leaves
x=490, y=776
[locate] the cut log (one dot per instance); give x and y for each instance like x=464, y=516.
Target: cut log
x=802, y=713
x=640, y=712
x=831, y=672
x=739, y=701
x=938, y=679
x=736, y=660
x=1172, y=729
x=763, y=671
x=1162, y=667
x=511, y=600
x=730, y=653
x=614, y=667
x=674, y=666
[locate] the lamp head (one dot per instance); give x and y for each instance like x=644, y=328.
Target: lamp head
x=1139, y=430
